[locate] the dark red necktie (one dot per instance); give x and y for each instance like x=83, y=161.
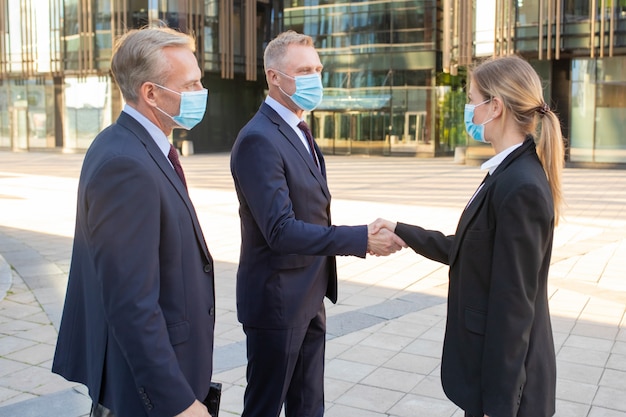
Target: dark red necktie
x=309, y=137
x=173, y=157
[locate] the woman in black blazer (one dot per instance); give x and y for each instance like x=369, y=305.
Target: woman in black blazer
x=498, y=354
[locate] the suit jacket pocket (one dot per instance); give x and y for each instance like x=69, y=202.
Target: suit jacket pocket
x=291, y=261
x=178, y=332
x=475, y=321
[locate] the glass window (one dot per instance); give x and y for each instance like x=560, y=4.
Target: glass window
x=610, y=143
x=103, y=39
x=87, y=110
x=5, y=127
x=583, y=109
x=36, y=114
x=528, y=12
x=211, y=35
x=371, y=51
x=575, y=10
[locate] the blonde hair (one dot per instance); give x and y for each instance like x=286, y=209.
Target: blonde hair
x=518, y=85
x=277, y=48
x=138, y=57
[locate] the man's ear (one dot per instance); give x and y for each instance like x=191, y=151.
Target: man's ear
x=272, y=77
x=146, y=93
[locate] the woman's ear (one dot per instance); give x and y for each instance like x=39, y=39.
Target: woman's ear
x=497, y=107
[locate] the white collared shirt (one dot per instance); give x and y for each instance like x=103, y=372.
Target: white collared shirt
x=157, y=134
x=289, y=117
x=494, y=162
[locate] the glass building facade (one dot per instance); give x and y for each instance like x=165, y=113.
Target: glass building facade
x=55, y=85
x=394, y=71
x=579, y=47
x=381, y=59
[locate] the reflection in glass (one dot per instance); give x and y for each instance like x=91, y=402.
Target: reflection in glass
x=87, y=110
x=379, y=60
x=598, y=110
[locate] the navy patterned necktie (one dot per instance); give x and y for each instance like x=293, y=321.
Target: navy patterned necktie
x=309, y=137
x=173, y=157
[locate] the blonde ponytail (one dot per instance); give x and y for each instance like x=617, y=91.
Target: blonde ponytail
x=551, y=153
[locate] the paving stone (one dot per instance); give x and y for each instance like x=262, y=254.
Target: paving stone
x=33, y=355
x=370, y=398
x=410, y=405
x=610, y=398
x=68, y=403
x=384, y=334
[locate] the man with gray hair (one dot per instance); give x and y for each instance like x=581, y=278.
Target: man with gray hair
x=288, y=242
x=139, y=314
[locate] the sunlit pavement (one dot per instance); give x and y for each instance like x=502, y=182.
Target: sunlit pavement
x=384, y=334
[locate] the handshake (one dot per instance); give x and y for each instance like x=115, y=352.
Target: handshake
x=381, y=239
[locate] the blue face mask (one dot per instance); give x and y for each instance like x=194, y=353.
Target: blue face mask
x=192, y=107
x=309, y=91
x=477, y=132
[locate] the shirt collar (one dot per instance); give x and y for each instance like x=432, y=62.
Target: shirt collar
x=157, y=134
x=287, y=115
x=494, y=162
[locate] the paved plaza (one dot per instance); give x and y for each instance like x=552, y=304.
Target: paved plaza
x=384, y=334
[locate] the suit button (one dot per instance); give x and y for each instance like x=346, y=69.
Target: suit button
x=211, y=311
x=208, y=268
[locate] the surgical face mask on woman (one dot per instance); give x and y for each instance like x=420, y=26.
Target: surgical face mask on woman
x=192, y=107
x=309, y=90
x=477, y=132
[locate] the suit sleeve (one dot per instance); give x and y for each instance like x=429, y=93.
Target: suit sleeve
x=267, y=188
x=123, y=219
x=429, y=243
x=524, y=220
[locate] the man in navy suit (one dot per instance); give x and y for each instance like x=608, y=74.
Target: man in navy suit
x=137, y=326
x=289, y=244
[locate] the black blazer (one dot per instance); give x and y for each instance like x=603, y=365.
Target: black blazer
x=498, y=353
x=137, y=326
x=288, y=244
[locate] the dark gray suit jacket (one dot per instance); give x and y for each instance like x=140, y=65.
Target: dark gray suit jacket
x=137, y=326
x=498, y=354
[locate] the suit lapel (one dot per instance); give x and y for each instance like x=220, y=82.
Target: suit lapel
x=468, y=214
x=475, y=206
x=154, y=152
x=161, y=161
x=294, y=140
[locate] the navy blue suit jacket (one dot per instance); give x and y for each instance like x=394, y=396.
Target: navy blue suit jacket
x=137, y=326
x=498, y=353
x=287, y=263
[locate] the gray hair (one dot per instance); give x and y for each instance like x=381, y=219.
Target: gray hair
x=277, y=48
x=138, y=57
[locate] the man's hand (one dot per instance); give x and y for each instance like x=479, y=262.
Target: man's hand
x=381, y=241
x=197, y=409
x=381, y=224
